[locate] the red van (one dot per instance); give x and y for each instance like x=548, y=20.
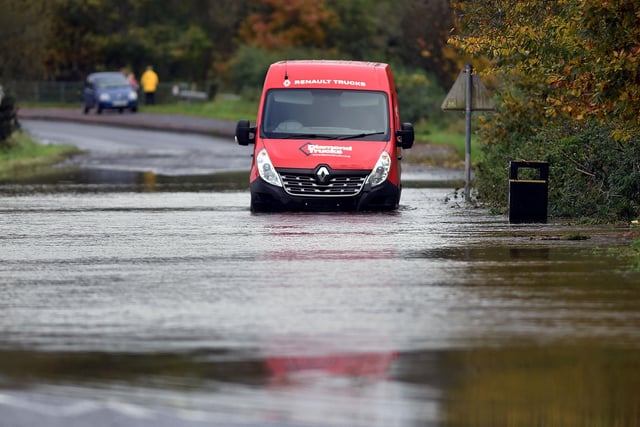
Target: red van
x=328, y=137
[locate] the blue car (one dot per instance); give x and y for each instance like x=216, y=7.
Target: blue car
x=109, y=91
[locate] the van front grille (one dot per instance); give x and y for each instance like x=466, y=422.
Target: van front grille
x=338, y=185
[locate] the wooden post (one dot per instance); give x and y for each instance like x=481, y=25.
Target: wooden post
x=467, y=151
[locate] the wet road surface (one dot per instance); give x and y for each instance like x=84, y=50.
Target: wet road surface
x=139, y=150
x=166, y=307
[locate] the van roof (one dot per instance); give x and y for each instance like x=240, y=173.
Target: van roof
x=330, y=74
x=329, y=63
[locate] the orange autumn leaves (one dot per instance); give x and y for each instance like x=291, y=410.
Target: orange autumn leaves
x=584, y=55
x=279, y=24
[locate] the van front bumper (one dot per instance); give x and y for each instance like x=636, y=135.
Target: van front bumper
x=269, y=198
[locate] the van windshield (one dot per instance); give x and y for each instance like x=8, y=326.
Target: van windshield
x=326, y=114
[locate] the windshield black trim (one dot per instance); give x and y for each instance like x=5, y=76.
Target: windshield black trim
x=333, y=133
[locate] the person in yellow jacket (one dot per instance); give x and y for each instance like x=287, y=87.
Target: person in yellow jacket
x=149, y=82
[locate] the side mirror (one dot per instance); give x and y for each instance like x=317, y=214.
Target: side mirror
x=405, y=136
x=245, y=134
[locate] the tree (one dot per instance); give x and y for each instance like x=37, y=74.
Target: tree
x=568, y=94
x=586, y=53
x=426, y=26
x=277, y=24
x=87, y=36
x=174, y=36
x=356, y=32
x=24, y=29
x=221, y=20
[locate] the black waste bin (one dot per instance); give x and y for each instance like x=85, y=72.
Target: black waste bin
x=528, y=197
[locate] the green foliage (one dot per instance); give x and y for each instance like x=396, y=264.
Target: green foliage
x=20, y=156
x=248, y=67
x=569, y=95
x=425, y=26
x=591, y=175
x=194, y=39
x=409, y=32
x=102, y=34
x=356, y=33
x=24, y=30
x=450, y=134
x=419, y=96
x=586, y=53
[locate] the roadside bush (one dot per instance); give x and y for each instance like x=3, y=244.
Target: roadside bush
x=592, y=177
x=419, y=96
x=247, y=70
x=248, y=67
x=8, y=120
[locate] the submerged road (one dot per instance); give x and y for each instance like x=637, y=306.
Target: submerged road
x=146, y=305
x=183, y=308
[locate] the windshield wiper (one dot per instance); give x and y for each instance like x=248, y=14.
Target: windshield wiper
x=360, y=135
x=309, y=136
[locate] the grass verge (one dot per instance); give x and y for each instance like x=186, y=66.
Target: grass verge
x=21, y=157
x=224, y=107
x=452, y=134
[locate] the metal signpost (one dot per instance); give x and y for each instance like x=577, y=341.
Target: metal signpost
x=468, y=94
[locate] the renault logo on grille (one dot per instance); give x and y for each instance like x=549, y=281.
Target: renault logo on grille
x=322, y=174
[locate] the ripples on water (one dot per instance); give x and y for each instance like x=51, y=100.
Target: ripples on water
x=185, y=308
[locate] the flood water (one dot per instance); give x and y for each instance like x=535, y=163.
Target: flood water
x=182, y=308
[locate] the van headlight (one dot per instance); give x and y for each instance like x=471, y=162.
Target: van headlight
x=104, y=97
x=133, y=96
x=380, y=170
x=266, y=169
